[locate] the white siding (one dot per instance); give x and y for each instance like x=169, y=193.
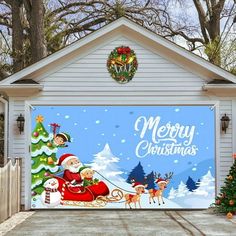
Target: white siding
x=226, y=144
x=17, y=141
x=88, y=77
x=86, y=81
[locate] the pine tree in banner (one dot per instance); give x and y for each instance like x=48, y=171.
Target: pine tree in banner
x=137, y=173
x=172, y=193
x=106, y=164
x=150, y=181
x=182, y=190
x=43, y=155
x=226, y=200
x=191, y=185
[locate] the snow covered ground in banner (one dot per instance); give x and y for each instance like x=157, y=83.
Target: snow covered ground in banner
x=189, y=201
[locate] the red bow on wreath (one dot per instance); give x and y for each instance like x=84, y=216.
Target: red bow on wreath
x=123, y=50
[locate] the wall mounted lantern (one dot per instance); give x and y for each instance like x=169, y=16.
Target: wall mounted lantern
x=20, y=123
x=225, y=123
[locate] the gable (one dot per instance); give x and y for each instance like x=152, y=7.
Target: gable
x=126, y=27
x=88, y=74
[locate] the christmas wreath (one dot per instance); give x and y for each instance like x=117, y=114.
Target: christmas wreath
x=122, y=64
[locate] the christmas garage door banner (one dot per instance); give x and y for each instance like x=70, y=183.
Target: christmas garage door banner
x=123, y=157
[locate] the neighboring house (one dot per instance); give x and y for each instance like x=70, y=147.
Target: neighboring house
x=77, y=75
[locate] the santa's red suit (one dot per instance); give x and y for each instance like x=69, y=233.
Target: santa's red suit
x=70, y=176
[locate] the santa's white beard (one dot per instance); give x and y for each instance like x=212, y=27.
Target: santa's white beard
x=73, y=169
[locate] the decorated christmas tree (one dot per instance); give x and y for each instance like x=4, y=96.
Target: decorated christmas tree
x=226, y=200
x=43, y=155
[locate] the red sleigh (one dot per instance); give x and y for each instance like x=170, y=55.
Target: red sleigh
x=96, y=195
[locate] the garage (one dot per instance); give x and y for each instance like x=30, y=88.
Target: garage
x=121, y=119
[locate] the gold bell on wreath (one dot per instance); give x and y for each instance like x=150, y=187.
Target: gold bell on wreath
x=50, y=161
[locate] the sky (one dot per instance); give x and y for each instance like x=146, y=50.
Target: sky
x=128, y=133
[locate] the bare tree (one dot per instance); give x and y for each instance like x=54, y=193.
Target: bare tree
x=39, y=27
x=35, y=14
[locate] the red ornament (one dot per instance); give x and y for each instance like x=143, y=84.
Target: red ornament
x=33, y=193
x=218, y=202
x=234, y=155
x=36, y=134
x=46, y=174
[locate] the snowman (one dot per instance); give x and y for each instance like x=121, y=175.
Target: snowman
x=51, y=197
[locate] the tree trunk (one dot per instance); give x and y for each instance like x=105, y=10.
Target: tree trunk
x=210, y=27
x=17, y=35
x=35, y=15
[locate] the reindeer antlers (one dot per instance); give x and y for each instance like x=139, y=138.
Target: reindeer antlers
x=169, y=175
x=157, y=175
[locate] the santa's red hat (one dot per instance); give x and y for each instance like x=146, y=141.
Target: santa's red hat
x=137, y=185
x=64, y=158
x=160, y=180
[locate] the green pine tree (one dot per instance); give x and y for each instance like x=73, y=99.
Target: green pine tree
x=43, y=155
x=226, y=200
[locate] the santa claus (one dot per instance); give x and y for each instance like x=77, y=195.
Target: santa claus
x=71, y=164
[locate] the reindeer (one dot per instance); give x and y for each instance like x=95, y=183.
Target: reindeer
x=161, y=182
x=134, y=198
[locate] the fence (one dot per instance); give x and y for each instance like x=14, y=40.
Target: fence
x=10, y=189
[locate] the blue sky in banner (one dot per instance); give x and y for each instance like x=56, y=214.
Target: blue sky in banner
x=163, y=138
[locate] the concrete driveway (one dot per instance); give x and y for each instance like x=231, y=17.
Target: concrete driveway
x=132, y=222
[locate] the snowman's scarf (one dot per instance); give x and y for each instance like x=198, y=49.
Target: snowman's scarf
x=47, y=194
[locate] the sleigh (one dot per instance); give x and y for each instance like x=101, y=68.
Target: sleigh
x=97, y=195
